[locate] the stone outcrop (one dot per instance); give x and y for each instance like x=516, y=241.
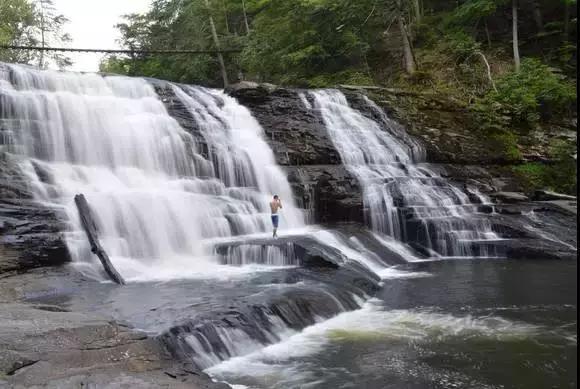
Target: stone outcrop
x=43, y=345
x=30, y=233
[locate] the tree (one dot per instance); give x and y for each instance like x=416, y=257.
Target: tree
x=408, y=56
x=567, y=4
x=217, y=45
x=32, y=23
x=245, y=17
x=538, y=19
x=16, y=27
x=49, y=30
x=515, y=41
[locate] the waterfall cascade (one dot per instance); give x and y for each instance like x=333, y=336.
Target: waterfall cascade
x=165, y=198
x=160, y=194
x=403, y=199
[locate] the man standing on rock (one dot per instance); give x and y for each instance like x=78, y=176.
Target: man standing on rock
x=275, y=205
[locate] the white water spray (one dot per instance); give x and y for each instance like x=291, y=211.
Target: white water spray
x=395, y=189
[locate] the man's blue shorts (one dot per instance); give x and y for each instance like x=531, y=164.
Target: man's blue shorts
x=275, y=221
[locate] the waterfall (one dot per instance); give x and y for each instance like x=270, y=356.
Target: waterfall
x=403, y=199
x=160, y=194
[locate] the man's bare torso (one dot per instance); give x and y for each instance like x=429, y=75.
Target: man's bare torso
x=275, y=205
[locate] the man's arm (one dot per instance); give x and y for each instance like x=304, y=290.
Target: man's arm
x=280, y=203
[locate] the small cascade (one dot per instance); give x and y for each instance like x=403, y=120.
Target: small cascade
x=224, y=335
x=245, y=254
x=404, y=200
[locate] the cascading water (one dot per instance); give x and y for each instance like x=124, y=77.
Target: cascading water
x=404, y=200
x=163, y=197
x=159, y=201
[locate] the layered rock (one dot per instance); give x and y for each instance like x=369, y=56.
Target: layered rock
x=43, y=345
x=454, y=149
x=31, y=235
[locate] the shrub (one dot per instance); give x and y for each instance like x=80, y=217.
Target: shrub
x=350, y=77
x=507, y=144
x=459, y=44
x=560, y=177
x=535, y=92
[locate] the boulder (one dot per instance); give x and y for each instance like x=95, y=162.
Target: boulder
x=72, y=349
x=509, y=197
x=30, y=232
x=296, y=134
x=330, y=192
x=545, y=195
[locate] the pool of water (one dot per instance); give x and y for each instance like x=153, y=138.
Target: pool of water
x=455, y=324
x=445, y=324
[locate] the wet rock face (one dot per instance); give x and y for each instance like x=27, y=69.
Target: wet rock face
x=329, y=192
x=297, y=136
x=301, y=145
x=30, y=233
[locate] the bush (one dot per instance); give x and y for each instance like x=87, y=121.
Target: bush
x=507, y=144
x=559, y=177
x=349, y=77
x=535, y=92
x=460, y=45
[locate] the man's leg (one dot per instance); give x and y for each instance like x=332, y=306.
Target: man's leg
x=275, y=225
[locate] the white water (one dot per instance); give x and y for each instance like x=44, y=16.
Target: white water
x=156, y=198
x=289, y=362
x=383, y=159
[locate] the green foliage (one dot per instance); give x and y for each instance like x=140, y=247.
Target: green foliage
x=293, y=41
x=23, y=22
x=506, y=143
x=534, y=92
x=460, y=44
x=472, y=10
x=348, y=77
x=559, y=177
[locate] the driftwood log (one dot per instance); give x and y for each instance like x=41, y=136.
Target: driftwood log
x=92, y=234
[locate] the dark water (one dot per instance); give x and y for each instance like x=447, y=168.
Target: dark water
x=470, y=324
x=448, y=324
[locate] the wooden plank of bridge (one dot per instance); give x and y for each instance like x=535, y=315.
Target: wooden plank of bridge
x=92, y=234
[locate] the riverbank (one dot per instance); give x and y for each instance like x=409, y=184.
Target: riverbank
x=43, y=344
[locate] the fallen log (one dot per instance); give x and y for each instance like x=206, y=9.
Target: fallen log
x=92, y=234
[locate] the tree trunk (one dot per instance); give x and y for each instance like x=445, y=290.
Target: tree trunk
x=245, y=17
x=487, y=67
x=410, y=65
x=515, y=34
x=566, y=20
x=417, y=10
x=487, y=34
x=88, y=223
x=41, y=60
x=538, y=15
x=226, y=16
x=217, y=45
